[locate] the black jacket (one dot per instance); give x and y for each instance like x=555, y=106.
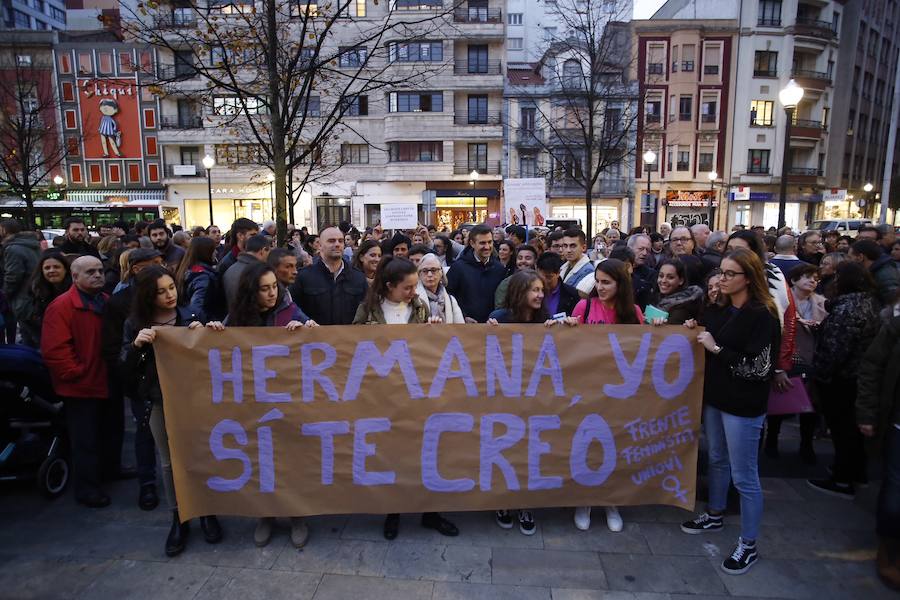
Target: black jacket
x=643, y=280
x=326, y=300
x=711, y=260
x=737, y=379
x=82, y=248
x=568, y=298
x=118, y=307
x=473, y=284
x=844, y=335
x=138, y=365
x=878, y=401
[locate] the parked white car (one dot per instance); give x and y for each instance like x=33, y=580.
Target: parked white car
x=848, y=227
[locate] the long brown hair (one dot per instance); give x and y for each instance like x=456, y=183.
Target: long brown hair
x=757, y=284
x=391, y=270
x=624, y=301
x=200, y=251
x=517, y=298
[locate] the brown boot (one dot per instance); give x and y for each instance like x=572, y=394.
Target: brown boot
x=888, y=561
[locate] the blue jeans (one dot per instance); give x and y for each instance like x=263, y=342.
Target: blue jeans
x=889, y=497
x=733, y=449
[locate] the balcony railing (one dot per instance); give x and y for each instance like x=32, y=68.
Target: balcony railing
x=765, y=73
x=816, y=27
x=758, y=170
x=176, y=72
x=175, y=22
x=710, y=69
x=477, y=15
x=182, y=122
x=655, y=68
x=707, y=118
x=478, y=118
x=464, y=167
x=186, y=170
x=804, y=172
x=768, y=23
x=807, y=123
x=465, y=67
x=811, y=74
x=759, y=122
x=529, y=136
x=684, y=116
x=653, y=118
x=687, y=66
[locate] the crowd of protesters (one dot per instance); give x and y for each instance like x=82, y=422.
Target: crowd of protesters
x=777, y=310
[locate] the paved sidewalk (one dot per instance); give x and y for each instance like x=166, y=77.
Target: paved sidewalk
x=811, y=547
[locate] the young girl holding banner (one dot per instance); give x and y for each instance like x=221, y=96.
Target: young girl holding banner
x=524, y=303
x=611, y=302
x=262, y=302
x=392, y=299
x=156, y=304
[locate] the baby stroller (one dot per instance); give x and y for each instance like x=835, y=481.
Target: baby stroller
x=33, y=440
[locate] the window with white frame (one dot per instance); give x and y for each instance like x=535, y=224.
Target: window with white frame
x=515, y=43
x=514, y=19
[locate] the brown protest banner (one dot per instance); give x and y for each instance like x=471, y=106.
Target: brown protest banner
x=415, y=418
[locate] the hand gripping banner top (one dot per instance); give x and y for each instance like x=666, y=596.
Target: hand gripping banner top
x=416, y=418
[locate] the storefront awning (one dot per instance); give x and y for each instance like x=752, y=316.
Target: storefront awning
x=116, y=197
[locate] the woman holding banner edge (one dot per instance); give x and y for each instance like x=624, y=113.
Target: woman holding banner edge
x=742, y=342
x=156, y=304
x=524, y=303
x=393, y=299
x=263, y=302
x=611, y=302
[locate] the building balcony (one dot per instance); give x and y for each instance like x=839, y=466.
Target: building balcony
x=470, y=68
x=175, y=21
x=807, y=129
x=529, y=138
x=465, y=167
x=710, y=69
x=181, y=122
x=764, y=73
x=652, y=120
x=605, y=186
x=478, y=118
x=804, y=175
x=769, y=23
x=479, y=22
x=708, y=118
x=814, y=28
x=176, y=72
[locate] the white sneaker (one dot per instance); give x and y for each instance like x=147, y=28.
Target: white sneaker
x=583, y=518
x=614, y=519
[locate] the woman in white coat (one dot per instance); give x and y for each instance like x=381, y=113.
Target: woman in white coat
x=432, y=290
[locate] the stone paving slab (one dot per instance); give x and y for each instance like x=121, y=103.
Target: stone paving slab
x=812, y=546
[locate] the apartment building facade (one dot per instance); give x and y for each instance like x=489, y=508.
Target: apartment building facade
x=110, y=126
x=687, y=72
x=37, y=15
x=779, y=40
x=867, y=69
x=436, y=143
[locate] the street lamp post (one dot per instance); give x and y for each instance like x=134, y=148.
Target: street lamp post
x=709, y=203
x=868, y=190
x=473, y=176
x=649, y=160
x=271, y=178
x=208, y=163
x=789, y=97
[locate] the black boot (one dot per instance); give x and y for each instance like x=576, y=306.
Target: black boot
x=178, y=536
x=212, y=531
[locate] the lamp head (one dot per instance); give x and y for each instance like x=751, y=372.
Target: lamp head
x=868, y=187
x=649, y=157
x=473, y=175
x=712, y=175
x=791, y=95
x=208, y=162
x=58, y=180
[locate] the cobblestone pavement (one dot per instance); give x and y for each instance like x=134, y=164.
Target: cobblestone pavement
x=811, y=547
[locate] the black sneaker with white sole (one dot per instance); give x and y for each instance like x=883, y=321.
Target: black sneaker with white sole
x=741, y=559
x=705, y=523
x=526, y=522
x=504, y=519
x=832, y=488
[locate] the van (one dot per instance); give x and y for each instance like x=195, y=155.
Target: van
x=849, y=227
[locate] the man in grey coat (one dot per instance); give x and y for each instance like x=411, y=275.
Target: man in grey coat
x=21, y=252
x=256, y=249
